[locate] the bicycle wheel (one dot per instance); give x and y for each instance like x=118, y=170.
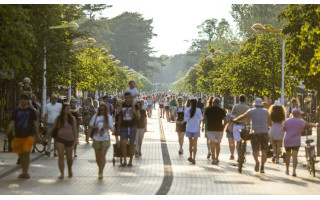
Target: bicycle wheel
x=40, y=147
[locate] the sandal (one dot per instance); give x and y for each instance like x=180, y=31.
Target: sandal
x=24, y=176
x=190, y=159
x=61, y=177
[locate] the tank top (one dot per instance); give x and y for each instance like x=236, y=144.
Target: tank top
x=65, y=132
x=259, y=120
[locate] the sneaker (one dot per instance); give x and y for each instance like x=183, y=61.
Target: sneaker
x=232, y=157
x=55, y=155
x=214, y=162
x=180, y=151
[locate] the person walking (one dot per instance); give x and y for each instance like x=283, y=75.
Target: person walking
x=161, y=105
x=96, y=105
x=193, y=117
x=75, y=112
x=53, y=110
x=180, y=123
x=167, y=108
x=229, y=131
x=128, y=128
x=106, y=100
x=215, y=116
x=205, y=128
x=100, y=125
x=237, y=110
x=259, y=119
x=87, y=113
x=66, y=134
x=149, y=103
x=292, y=139
x=277, y=115
x=26, y=127
x=141, y=128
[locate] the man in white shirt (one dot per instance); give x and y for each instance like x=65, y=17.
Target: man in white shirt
x=133, y=90
x=52, y=112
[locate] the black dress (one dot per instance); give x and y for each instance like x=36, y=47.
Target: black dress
x=180, y=127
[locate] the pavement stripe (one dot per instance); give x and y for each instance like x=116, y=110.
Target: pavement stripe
x=168, y=174
x=15, y=168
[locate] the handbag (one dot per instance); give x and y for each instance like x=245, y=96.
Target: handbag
x=93, y=129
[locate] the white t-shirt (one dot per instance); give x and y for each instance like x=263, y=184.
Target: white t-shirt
x=161, y=101
x=193, y=124
x=53, y=112
x=98, y=122
x=167, y=103
x=133, y=91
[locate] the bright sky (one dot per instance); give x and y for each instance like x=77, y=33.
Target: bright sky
x=173, y=21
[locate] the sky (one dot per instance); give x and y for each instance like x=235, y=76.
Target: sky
x=173, y=21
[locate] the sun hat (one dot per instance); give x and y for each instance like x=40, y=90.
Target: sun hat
x=258, y=102
x=296, y=111
x=277, y=103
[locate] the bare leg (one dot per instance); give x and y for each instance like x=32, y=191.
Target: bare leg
x=294, y=160
x=98, y=161
x=103, y=152
x=263, y=158
x=69, y=160
x=213, y=154
x=231, y=146
x=287, y=158
x=217, y=145
x=25, y=160
x=60, y=148
x=190, y=146
x=195, y=142
x=131, y=147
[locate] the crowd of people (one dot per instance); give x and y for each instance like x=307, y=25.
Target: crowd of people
x=126, y=119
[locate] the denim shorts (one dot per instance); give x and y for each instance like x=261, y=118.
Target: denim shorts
x=229, y=135
x=128, y=132
x=260, y=141
x=193, y=134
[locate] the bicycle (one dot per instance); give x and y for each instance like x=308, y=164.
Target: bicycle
x=41, y=147
x=310, y=152
x=245, y=135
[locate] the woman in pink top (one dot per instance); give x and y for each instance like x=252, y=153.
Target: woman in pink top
x=66, y=136
x=292, y=140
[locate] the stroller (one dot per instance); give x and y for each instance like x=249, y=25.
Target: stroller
x=270, y=153
x=173, y=115
x=117, y=152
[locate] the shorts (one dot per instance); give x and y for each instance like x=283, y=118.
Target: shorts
x=65, y=142
x=193, y=134
x=128, y=132
x=236, y=133
x=229, y=135
x=21, y=145
x=260, y=140
x=161, y=106
x=49, y=126
x=181, y=127
x=149, y=106
x=215, y=136
x=100, y=144
x=288, y=149
x=167, y=108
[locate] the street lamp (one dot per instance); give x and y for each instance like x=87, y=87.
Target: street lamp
x=73, y=26
x=135, y=53
x=259, y=27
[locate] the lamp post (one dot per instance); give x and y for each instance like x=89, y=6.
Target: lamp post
x=135, y=53
x=259, y=27
x=72, y=25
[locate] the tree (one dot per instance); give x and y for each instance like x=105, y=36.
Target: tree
x=131, y=32
x=208, y=29
x=303, y=47
x=90, y=10
x=245, y=15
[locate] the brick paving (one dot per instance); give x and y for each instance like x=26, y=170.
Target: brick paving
x=147, y=174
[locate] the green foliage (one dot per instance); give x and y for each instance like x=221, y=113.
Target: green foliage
x=302, y=43
x=245, y=15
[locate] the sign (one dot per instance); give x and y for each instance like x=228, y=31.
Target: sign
x=7, y=74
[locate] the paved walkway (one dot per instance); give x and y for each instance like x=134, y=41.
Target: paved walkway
x=160, y=170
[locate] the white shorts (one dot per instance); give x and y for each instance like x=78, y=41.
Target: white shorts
x=215, y=135
x=236, y=133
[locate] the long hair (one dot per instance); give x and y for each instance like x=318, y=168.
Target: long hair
x=61, y=118
x=193, y=107
x=277, y=114
x=106, y=118
x=210, y=102
x=187, y=103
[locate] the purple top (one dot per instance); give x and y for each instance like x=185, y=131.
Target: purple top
x=293, y=126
